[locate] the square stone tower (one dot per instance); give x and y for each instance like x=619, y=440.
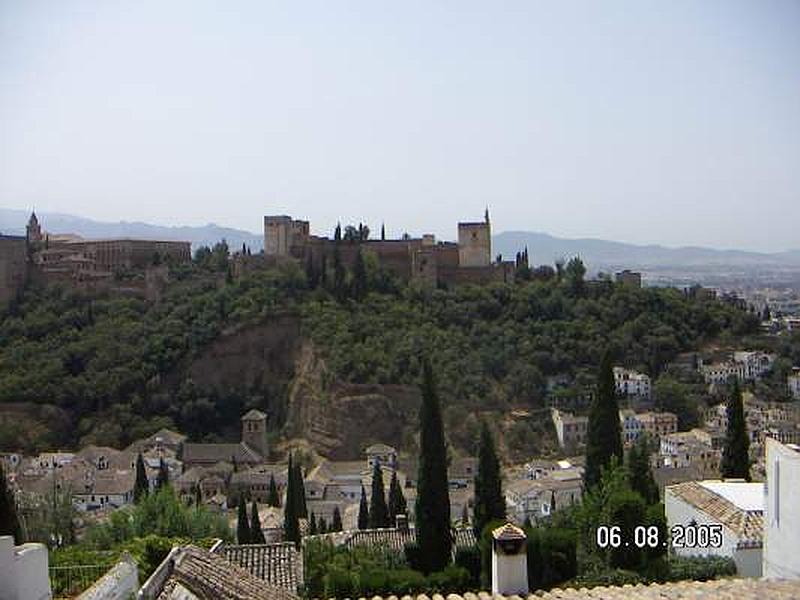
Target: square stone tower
x=475, y=243
x=254, y=431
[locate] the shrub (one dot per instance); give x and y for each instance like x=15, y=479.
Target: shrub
x=700, y=568
x=470, y=559
x=552, y=556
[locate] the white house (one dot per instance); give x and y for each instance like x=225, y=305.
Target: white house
x=782, y=512
x=570, y=430
x=631, y=426
x=735, y=505
x=793, y=383
x=630, y=383
x=536, y=498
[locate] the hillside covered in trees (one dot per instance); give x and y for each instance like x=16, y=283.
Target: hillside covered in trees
x=78, y=369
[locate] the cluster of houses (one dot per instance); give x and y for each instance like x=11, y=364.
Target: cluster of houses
x=571, y=429
x=745, y=365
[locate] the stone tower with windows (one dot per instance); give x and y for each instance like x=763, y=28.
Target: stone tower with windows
x=254, y=431
x=33, y=231
x=475, y=243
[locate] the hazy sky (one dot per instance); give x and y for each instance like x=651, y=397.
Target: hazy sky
x=673, y=122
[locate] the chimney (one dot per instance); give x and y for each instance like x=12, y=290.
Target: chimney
x=401, y=522
x=509, y=561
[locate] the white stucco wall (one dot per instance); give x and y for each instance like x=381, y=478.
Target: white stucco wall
x=782, y=512
x=23, y=571
x=121, y=582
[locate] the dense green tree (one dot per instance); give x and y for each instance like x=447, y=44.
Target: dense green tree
x=490, y=504
x=359, y=285
x=433, y=498
x=378, y=511
x=323, y=525
x=242, y=524
x=256, y=533
x=363, y=510
x=603, y=435
x=574, y=273
x=336, y=523
x=9, y=522
x=736, y=451
x=397, y=500
x=273, y=497
x=337, y=233
x=141, y=486
x=640, y=473
x=627, y=510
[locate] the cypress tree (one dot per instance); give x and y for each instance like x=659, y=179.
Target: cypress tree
x=273, y=498
x=198, y=495
x=378, y=511
x=9, y=522
x=640, y=474
x=163, y=474
x=397, y=501
x=433, y=498
x=735, y=454
x=603, y=436
x=336, y=524
x=291, y=522
x=323, y=525
x=256, y=533
x=300, y=492
x=489, y=502
x=242, y=525
x=363, y=511
x=338, y=273
x=465, y=516
x=383, y=232
x=141, y=487
x=552, y=502
x=312, y=525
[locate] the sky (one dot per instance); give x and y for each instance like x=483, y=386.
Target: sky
x=673, y=123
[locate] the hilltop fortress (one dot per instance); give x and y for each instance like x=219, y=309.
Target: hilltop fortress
x=421, y=259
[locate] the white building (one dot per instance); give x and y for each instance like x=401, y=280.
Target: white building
x=782, y=512
x=793, y=383
x=735, y=505
x=536, y=498
x=630, y=383
x=746, y=366
x=631, y=426
x=570, y=429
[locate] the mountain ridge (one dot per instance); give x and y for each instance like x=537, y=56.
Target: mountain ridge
x=543, y=248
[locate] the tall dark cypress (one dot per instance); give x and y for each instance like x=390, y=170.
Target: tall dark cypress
x=256, y=533
x=383, y=232
x=312, y=524
x=9, y=521
x=378, y=511
x=433, y=498
x=604, y=435
x=489, y=502
x=336, y=523
x=242, y=524
x=363, y=511
x=291, y=522
x=300, y=492
x=397, y=501
x=273, y=498
x=163, y=475
x=141, y=487
x=736, y=452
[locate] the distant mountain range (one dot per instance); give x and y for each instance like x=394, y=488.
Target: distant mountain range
x=542, y=248
x=13, y=222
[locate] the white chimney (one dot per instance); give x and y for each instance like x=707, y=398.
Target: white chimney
x=509, y=561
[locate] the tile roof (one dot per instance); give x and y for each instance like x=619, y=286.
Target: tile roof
x=208, y=576
x=213, y=453
x=747, y=525
x=254, y=415
x=280, y=565
x=730, y=589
